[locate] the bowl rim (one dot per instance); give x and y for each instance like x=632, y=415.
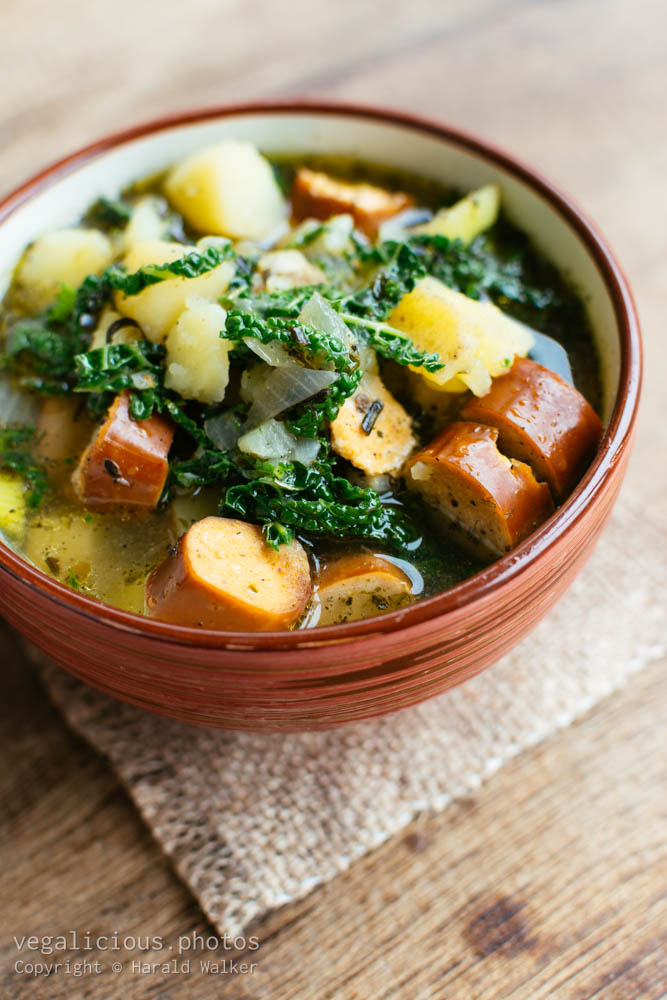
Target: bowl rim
x=481, y=585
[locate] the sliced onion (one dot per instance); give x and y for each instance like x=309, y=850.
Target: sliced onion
x=285, y=387
x=270, y=440
x=253, y=380
x=318, y=313
x=274, y=353
x=223, y=430
x=305, y=451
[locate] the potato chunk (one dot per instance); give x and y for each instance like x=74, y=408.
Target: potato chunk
x=490, y=500
x=542, y=420
x=157, y=308
x=467, y=218
x=319, y=196
x=146, y=223
x=372, y=430
x=12, y=505
x=475, y=340
x=223, y=575
x=65, y=256
x=125, y=464
x=228, y=190
x=197, y=357
x=358, y=586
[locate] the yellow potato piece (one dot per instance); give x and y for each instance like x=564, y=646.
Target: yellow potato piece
x=467, y=218
x=146, y=223
x=229, y=190
x=157, y=308
x=197, y=357
x=65, y=256
x=12, y=505
x=475, y=340
x=358, y=586
x=390, y=440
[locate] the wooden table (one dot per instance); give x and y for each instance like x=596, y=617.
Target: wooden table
x=550, y=881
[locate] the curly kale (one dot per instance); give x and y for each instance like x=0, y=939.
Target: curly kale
x=108, y=213
x=288, y=497
x=313, y=347
x=192, y=265
x=44, y=349
x=16, y=455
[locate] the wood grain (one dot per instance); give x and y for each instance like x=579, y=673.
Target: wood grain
x=550, y=881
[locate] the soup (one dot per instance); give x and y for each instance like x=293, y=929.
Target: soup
x=256, y=394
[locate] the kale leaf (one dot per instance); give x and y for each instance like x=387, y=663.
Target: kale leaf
x=313, y=500
x=314, y=347
x=108, y=213
x=192, y=265
x=16, y=455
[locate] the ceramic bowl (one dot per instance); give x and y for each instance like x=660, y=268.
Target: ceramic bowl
x=328, y=676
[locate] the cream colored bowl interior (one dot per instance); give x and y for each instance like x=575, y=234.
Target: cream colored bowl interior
x=404, y=147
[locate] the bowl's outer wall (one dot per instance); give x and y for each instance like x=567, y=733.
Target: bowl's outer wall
x=312, y=680
x=277, y=689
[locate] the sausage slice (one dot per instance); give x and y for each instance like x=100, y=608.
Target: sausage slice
x=316, y=195
x=125, y=464
x=493, y=501
x=223, y=575
x=359, y=586
x=542, y=420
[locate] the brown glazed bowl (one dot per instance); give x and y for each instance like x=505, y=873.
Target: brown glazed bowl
x=328, y=676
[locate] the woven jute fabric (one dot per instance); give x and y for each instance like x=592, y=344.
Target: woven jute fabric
x=253, y=821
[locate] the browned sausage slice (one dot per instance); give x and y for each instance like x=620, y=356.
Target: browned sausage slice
x=359, y=586
x=542, y=420
x=318, y=196
x=223, y=575
x=493, y=500
x=125, y=464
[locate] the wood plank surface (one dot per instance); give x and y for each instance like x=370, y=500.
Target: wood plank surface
x=549, y=881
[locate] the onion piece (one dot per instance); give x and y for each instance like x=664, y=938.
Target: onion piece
x=274, y=353
x=285, y=387
x=223, y=430
x=272, y=440
x=318, y=313
x=305, y=451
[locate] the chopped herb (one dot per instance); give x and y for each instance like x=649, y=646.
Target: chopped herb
x=372, y=413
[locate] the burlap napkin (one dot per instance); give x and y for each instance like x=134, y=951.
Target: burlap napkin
x=251, y=822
